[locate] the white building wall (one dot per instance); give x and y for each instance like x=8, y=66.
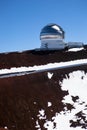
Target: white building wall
x=53, y=44
x=74, y=44
x=57, y=44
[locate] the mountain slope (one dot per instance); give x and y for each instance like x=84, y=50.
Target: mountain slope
x=31, y=58
x=37, y=101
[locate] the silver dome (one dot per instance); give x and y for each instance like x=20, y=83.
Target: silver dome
x=52, y=31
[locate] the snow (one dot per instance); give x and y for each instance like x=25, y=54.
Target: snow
x=78, y=81
x=49, y=125
x=41, y=68
x=76, y=49
x=6, y=127
x=35, y=103
x=37, y=125
x=76, y=84
x=41, y=114
x=50, y=75
x=49, y=104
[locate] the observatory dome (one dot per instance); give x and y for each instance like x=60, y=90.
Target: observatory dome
x=52, y=31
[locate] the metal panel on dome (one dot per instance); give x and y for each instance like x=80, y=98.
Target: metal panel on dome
x=52, y=30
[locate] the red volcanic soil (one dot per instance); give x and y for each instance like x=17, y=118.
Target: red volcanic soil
x=32, y=57
x=22, y=97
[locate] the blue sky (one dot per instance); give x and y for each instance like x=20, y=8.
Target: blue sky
x=21, y=21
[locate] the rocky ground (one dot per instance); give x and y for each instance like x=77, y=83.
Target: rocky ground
x=26, y=102
x=32, y=57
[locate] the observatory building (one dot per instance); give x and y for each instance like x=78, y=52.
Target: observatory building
x=52, y=38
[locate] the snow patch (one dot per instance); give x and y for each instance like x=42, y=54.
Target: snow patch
x=76, y=49
x=49, y=75
x=41, y=114
x=35, y=103
x=49, y=104
x=6, y=127
x=37, y=69
x=76, y=84
x=37, y=125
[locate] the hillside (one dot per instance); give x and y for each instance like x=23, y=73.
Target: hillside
x=43, y=101
x=32, y=57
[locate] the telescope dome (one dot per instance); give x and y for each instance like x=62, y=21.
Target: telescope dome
x=52, y=31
